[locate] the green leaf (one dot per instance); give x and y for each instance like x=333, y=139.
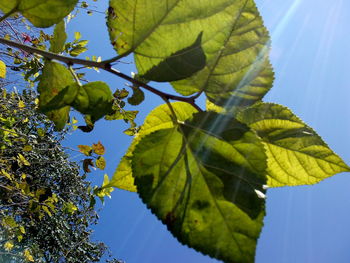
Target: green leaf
x=182, y=64
x=55, y=78
x=64, y=98
x=296, y=154
x=41, y=13
x=137, y=97
x=94, y=99
x=101, y=163
x=159, y=118
x=105, y=189
x=77, y=51
x=202, y=180
x=2, y=69
x=59, y=38
x=234, y=40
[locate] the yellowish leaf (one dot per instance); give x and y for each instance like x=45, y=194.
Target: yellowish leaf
x=22, y=160
x=27, y=148
x=8, y=245
x=28, y=256
x=85, y=149
x=98, y=148
x=6, y=174
x=21, y=228
x=21, y=104
x=101, y=163
x=46, y=209
x=2, y=69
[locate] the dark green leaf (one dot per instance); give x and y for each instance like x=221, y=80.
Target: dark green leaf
x=137, y=97
x=182, y=64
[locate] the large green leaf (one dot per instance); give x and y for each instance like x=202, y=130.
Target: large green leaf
x=182, y=64
x=159, y=118
x=201, y=179
x=41, y=13
x=55, y=78
x=296, y=154
x=234, y=41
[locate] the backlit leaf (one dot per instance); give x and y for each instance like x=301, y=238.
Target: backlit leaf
x=22, y=160
x=234, y=40
x=28, y=256
x=201, y=179
x=158, y=119
x=85, y=149
x=94, y=99
x=98, y=148
x=182, y=64
x=296, y=154
x=8, y=245
x=59, y=38
x=2, y=69
x=41, y=13
x=101, y=163
x=55, y=78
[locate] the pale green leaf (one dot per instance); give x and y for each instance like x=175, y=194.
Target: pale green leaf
x=41, y=13
x=201, y=178
x=296, y=154
x=158, y=119
x=234, y=40
x=2, y=69
x=59, y=38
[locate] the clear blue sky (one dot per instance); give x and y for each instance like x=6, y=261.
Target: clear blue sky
x=310, y=54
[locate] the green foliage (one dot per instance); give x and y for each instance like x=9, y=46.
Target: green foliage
x=202, y=173
x=45, y=206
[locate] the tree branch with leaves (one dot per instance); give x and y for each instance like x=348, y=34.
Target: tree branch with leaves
x=203, y=173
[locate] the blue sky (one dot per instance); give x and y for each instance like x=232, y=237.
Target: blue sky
x=310, y=55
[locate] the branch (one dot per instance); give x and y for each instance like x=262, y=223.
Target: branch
x=105, y=65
